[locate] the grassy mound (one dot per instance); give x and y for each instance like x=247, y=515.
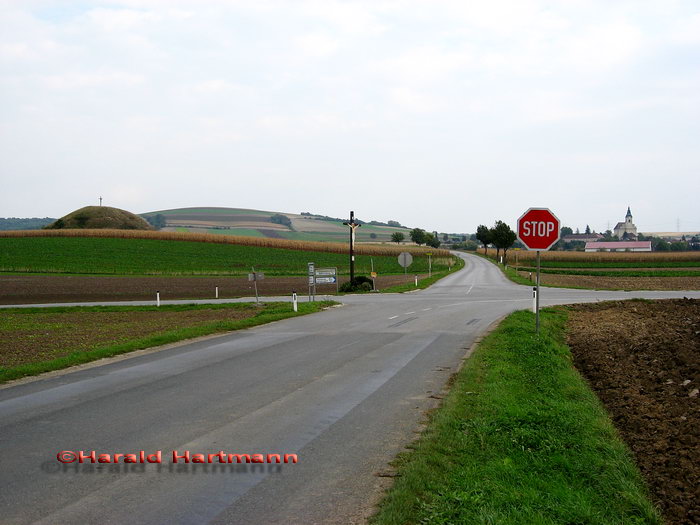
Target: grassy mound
x=100, y=217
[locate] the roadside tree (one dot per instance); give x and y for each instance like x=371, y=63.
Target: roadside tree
x=503, y=238
x=418, y=236
x=483, y=235
x=397, y=237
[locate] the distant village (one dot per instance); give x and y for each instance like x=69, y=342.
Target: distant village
x=625, y=238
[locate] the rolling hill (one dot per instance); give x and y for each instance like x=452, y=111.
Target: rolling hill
x=258, y=223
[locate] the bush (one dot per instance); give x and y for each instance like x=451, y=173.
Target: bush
x=358, y=284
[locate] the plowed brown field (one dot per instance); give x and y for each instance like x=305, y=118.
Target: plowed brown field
x=643, y=361
x=31, y=289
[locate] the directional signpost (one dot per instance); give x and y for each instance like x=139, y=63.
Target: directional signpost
x=327, y=276
x=538, y=229
x=255, y=277
x=312, y=281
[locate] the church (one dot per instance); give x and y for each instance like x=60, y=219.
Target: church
x=626, y=230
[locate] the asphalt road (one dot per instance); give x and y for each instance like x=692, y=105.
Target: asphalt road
x=345, y=389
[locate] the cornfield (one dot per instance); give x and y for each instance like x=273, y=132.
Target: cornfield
x=311, y=246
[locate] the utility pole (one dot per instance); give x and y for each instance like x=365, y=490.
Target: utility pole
x=100, y=201
x=352, y=225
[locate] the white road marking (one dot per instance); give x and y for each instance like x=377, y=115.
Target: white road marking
x=393, y=317
x=470, y=289
x=426, y=309
x=409, y=313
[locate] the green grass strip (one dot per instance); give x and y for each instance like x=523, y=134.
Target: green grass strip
x=268, y=312
x=520, y=439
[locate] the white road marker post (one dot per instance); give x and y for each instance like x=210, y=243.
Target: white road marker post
x=416, y=279
x=157, y=298
x=534, y=300
x=216, y=293
x=294, y=302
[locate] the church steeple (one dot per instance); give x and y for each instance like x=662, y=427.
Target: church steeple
x=629, y=213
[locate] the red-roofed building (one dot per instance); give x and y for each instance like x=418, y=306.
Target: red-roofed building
x=619, y=246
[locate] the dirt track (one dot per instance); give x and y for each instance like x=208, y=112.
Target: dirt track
x=643, y=361
x=21, y=289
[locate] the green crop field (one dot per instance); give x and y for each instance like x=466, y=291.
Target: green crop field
x=133, y=256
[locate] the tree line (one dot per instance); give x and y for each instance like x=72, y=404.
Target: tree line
x=501, y=236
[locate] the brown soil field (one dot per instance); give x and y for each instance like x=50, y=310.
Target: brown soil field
x=619, y=283
x=642, y=358
x=45, y=336
x=34, y=289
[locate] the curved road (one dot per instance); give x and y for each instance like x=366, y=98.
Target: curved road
x=345, y=389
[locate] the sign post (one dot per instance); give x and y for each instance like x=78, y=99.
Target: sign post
x=312, y=281
x=255, y=277
x=538, y=230
x=405, y=260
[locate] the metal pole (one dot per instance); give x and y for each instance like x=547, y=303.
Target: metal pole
x=537, y=298
x=430, y=266
x=255, y=283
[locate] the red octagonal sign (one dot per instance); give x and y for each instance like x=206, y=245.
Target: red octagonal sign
x=538, y=229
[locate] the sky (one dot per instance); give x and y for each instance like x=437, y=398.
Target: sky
x=438, y=114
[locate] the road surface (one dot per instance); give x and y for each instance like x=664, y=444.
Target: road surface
x=345, y=390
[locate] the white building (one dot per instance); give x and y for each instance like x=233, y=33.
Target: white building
x=619, y=246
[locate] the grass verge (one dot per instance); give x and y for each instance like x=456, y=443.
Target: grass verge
x=519, y=439
x=21, y=320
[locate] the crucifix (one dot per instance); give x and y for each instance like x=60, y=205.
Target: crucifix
x=353, y=225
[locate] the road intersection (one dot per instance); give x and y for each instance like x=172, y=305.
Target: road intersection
x=345, y=390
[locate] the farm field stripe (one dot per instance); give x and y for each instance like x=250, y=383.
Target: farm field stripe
x=23, y=320
x=141, y=256
x=310, y=246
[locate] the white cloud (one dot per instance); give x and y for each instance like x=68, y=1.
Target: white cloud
x=119, y=20
x=687, y=30
x=96, y=79
x=317, y=45
x=347, y=17
x=602, y=46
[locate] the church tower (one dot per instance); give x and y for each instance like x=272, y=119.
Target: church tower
x=626, y=230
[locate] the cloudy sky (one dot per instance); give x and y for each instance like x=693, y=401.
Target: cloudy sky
x=438, y=114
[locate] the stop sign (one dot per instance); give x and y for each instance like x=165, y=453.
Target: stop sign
x=538, y=229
